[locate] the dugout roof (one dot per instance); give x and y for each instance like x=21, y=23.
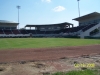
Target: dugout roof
x=91, y=15
x=59, y=24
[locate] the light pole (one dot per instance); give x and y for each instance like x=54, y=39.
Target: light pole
x=18, y=7
x=78, y=7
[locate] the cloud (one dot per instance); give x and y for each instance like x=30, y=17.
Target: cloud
x=48, y=1
x=58, y=9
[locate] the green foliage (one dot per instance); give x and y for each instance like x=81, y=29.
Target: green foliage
x=94, y=31
x=82, y=72
x=9, y=43
x=58, y=73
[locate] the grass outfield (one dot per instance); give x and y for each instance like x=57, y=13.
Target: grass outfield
x=7, y=43
x=84, y=72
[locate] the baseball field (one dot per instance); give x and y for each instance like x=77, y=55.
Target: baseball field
x=9, y=43
x=34, y=56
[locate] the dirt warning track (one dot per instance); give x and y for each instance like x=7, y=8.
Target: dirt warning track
x=15, y=55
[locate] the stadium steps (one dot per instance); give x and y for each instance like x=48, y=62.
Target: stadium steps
x=88, y=29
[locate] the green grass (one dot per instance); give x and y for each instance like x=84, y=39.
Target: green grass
x=85, y=72
x=8, y=43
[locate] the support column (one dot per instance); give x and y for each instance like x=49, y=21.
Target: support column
x=72, y=25
x=69, y=26
x=30, y=28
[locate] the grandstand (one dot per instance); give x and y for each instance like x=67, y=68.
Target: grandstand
x=49, y=30
x=9, y=29
x=89, y=26
x=91, y=23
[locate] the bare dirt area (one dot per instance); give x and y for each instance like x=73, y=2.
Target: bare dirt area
x=47, y=60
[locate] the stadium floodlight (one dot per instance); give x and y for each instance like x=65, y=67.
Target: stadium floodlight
x=78, y=7
x=18, y=7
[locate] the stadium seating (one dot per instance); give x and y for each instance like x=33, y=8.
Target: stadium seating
x=65, y=30
x=16, y=31
x=49, y=32
x=75, y=29
x=23, y=32
x=56, y=32
x=7, y=31
x=1, y=31
x=40, y=32
x=31, y=31
x=87, y=27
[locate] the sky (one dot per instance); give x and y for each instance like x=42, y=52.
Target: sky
x=46, y=11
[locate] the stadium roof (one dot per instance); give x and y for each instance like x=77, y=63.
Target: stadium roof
x=5, y=21
x=91, y=15
x=65, y=23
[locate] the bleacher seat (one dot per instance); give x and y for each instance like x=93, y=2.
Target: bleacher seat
x=23, y=32
x=16, y=31
x=7, y=31
x=39, y=32
x=75, y=29
x=31, y=31
x=49, y=32
x=87, y=27
x=1, y=31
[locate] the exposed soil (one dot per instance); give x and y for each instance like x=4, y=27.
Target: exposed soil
x=47, y=60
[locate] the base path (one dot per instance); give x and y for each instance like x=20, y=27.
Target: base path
x=15, y=55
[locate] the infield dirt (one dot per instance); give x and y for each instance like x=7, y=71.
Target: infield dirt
x=47, y=60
